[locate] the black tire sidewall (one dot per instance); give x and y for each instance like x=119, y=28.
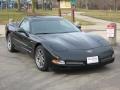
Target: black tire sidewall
x=12, y=46
x=46, y=64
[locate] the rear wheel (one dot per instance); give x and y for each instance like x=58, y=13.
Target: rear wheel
x=42, y=58
x=10, y=45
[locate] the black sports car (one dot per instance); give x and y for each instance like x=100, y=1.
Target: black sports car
x=54, y=41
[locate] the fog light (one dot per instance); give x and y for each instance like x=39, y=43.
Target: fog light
x=58, y=61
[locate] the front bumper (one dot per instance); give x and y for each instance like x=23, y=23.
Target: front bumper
x=84, y=63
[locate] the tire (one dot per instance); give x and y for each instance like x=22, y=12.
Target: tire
x=42, y=58
x=10, y=45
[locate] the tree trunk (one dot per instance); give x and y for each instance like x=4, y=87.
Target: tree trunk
x=33, y=6
x=18, y=5
x=86, y=4
x=43, y=4
x=59, y=9
x=115, y=5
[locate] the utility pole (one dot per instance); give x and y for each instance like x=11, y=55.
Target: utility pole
x=115, y=5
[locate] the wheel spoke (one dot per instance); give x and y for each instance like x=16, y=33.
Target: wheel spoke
x=9, y=43
x=40, y=60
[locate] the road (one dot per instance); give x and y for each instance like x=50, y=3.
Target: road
x=99, y=24
x=18, y=72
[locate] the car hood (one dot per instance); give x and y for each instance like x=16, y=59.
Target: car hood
x=71, y=41
x=75, y=45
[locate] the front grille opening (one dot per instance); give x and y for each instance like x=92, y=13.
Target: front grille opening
x=74, y=62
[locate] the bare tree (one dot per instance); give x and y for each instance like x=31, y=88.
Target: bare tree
x=99, y=4
x=115, y=5
x=18, y=5
x=86, y=4
x=33, y=6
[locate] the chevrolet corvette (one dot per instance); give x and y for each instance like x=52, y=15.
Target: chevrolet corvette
x=55, y=41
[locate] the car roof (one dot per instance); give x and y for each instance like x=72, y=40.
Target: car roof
x=32, y=18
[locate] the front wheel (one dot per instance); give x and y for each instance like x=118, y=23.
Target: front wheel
x=10, y=45
x=41, y=58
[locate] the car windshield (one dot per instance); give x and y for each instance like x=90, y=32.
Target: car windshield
x=52, y=26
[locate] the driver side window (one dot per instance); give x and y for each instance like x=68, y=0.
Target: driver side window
x=25, y=25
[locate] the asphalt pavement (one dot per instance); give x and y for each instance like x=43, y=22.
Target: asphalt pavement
x=99, y=23
x=18, y=72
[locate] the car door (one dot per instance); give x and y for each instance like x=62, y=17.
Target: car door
x=23, y=41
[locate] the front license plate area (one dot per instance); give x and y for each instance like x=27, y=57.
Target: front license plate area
x=92, y=60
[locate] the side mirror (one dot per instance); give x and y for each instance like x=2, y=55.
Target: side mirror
x=21, y=30
x=78, y=26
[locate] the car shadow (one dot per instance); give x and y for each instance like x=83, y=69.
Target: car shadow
x=21, y=57
x=83, y=70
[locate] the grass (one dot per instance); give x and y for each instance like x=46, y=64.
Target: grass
x=103, y=14
x=5, y=15
x=53, y=12
x=65, y=11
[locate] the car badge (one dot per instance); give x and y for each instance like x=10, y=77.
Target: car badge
x=89, y=51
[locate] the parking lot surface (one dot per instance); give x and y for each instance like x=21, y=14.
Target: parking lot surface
x=18, y=72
